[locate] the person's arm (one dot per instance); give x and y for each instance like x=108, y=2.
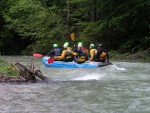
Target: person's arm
x=86, y=52
x=51, y=53
x=61, y=57
x=92, y=52
x=72, y=52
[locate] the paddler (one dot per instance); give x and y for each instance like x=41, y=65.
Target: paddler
x=67, y=54
x=93, y=52
x=102, y=54
x=56, y=51
x=81, y=54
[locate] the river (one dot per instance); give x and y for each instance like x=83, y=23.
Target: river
x=123, y=87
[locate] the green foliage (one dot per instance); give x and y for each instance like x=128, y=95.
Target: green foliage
x=132, y=46
x=31, y=20
x=34, y=25
x=20, y=17
x=7, y=69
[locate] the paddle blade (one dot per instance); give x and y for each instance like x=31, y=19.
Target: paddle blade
x=37, y=55
x=51, y=60
x=72, y=36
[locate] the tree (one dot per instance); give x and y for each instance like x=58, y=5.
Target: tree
x=35, y=23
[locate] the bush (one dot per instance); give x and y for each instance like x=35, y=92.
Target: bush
x=8, y=69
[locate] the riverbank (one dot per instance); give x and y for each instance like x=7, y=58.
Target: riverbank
x=142, y=56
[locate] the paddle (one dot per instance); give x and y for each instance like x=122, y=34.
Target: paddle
x=72, y=36
x=37, y=55
x=51, y=60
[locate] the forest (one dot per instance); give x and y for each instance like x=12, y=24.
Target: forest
x=33, y=26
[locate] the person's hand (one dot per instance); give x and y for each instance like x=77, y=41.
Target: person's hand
x=55, y=57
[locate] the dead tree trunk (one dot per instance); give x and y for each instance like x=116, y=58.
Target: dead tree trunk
x=6, y=78
x=25, y=74
x=29, y=74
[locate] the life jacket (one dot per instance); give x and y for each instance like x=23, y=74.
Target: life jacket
x=93, y=53
x=57, y=51
x=68, y=56
x=102, y=56
x=81, y=56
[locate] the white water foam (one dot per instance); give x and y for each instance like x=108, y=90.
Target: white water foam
x=119, y=68
x=92, y=76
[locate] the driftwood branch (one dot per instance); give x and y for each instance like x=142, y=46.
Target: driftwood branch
x=25, y=74
x=30, y=72
x=6, y=78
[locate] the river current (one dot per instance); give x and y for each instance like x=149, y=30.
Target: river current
x=123, y=87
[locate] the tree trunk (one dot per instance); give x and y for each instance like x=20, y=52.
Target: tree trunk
x=30, y=72
x=68, y=17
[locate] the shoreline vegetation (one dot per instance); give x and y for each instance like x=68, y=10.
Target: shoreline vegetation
x=141, y=56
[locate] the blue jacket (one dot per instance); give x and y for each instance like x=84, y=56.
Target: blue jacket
x=55, y=52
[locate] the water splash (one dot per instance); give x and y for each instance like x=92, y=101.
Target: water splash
x=118, y=68
x=93, y=76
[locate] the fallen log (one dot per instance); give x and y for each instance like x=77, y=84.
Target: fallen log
x=31, y=72
x=7, y=78
x=25, y=74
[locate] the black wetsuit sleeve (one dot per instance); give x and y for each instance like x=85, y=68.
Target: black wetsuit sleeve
x=51, y=53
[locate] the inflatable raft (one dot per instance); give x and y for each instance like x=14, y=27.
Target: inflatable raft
x=61, y=64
